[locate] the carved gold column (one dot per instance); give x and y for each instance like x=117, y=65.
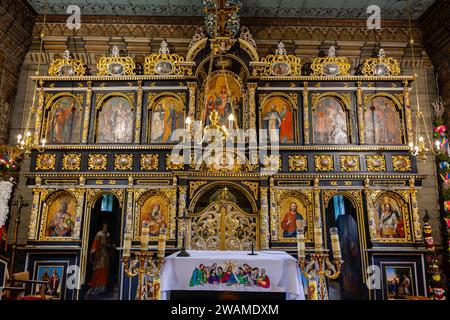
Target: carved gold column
x=192, y=96
x=305, y=113
x=129, y=212
x=273, y=213
x=361, y=124
x=408, y=114
x=415, y=211
x=181, y=208
x=80, y=206
x=264, y=220
x=137, y=134
x=87, y=113
x=370, y=210
x=317, y=209
x=39, y=112
x=34, y=214
x=252, y=105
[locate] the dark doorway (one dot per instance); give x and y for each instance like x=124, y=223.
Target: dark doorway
x=102, y=275
x=341, y=214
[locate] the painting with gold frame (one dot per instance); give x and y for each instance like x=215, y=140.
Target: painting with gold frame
x=154, y=208
x=391, y=218
x=64, y=120
x=383, y=121
x=278, y=117
x=59, y=214
x=166, y=114
x=114, y=123
x=330, y=121
x=225, y=97
x=293, y=210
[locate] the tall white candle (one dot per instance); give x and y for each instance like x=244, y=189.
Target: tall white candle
x=145, y=238
x=335, y=245
x=127, y=245
x=161, y=245
x=318, y=242
x=301, y=244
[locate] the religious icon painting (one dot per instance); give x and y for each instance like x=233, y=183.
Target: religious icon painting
x=383, y=123
x=154, y=212
x=330, y=125
x=165, y=117
x=224, y=96
x=293, y=211
x=53, y=275
x=59, y=216
x=277, y=117
x=115, y=121
x=64, y=121
x=390, y=218
x=399, y=281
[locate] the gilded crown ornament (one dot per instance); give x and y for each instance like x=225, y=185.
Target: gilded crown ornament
x=278, y=64
x=116, y=65
x=166, y=63
x=331, y=65
x=67, y=66
x=381, y=66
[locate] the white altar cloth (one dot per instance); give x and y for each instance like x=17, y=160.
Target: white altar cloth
x=268, y=271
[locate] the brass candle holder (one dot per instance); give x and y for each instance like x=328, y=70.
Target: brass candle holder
x=317, y=262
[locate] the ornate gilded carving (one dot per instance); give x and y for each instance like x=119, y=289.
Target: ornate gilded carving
x=67, y=66
x=272, y=163
x=401, y=163
x=331, y=65
x=71, y=161
x=166, y=63
x=349, y=163
x=415, y=211
x=192, y=96
x=264, y=235
x=298, y=163
x=149, y=162
x=174, y=162
x=115, y=65
x=123, y=161
x=278, y=64
x=97, y=161
x=32, y=226
x=375, y=163
x=254, y=186
x=87, y=113
x=381, y=66
x=306, y=113
x=137, y=134
x=46, y=161
x=252, y=105
x=323, y=162
x=194, y=185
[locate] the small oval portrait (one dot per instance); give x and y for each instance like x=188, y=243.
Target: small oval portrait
x=116, y=69
x=281, y=69
x=61, y=214
x=164, y=67
x=64, y=121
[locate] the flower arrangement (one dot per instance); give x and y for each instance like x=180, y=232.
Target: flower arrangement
x=443, y=159
x=10, y=158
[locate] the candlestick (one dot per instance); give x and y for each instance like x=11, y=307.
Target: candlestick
x=145, y=237
x=230, y=121
x=318, y=242
x=335, y=245
x=301, y=244
x=188, y=124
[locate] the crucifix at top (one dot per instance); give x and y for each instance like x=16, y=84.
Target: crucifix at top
x=222, y=12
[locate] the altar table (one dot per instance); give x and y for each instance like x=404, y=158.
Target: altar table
x=268, y=271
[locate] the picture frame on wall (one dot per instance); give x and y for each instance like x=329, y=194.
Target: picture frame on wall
x=54, y=273
x=399, y=281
